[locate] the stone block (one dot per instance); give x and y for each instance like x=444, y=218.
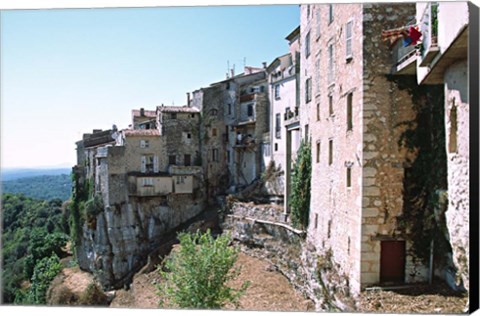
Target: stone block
x=370, y=212
x=371, y=191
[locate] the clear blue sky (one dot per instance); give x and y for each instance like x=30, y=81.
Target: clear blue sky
x=65, y=72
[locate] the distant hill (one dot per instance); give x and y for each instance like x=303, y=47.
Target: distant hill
x=17, y=173
x=44, y=187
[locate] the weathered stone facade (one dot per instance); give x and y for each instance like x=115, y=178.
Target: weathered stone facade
x=458, y=153
x=144, y=194
x=354, y=113
x=233, y=107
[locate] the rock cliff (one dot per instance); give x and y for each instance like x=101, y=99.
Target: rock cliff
x=117, y=243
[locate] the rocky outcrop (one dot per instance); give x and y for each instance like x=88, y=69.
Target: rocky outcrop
x=262, y=231
x=122, y=237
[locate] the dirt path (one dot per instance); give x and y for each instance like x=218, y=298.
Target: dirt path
x=268, y=291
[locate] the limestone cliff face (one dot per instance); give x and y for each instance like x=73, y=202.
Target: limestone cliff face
x=118, y=241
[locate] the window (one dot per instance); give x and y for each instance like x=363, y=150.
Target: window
x=278, y=128
x=316, y=221
x=180, y=179
x=213, y=112
x=187, y=160
x=147, y=164
x=250, y=110
x=266, y=150
x=330, y=13
x=318, y=152
x=228, y=156
x=229, y=109
x=147, y=182
x=330, y=104
x=331, y=70
x=189, y=136
x=277, y=91
x=308, y=10
x=308, y=90
x=173, y=116
x=349, y=112
x=214, y=132
x=318, y=111
x=172, y=159
x=348, y=39
x=317, y=75
x=276, y=146
x=144, y=143
x=349, y=177
x=452, y=137
x=306, y=131
x=307, y=45
x=214, y=154
x=192, y=115
x=330, y=151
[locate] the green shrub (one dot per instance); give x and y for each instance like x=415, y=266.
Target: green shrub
x=43, y=274
x=197, y=273
x=300, y=197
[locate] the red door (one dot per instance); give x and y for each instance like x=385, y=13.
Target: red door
x=392, y=261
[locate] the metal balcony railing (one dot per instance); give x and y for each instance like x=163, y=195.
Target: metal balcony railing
x=429, y=28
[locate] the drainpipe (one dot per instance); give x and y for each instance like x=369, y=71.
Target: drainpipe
x=430, y=272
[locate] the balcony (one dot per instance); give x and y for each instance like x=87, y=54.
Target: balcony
x=291, y=117
x=429, y=29
x=404, y=59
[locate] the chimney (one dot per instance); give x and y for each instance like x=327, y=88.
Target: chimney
x=232, y=71
x=188, y=98
x=142, y=112
x=264, y=65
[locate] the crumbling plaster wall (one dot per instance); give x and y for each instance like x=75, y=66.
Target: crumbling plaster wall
x=457, y=128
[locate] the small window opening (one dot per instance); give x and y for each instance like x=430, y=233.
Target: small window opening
x=452, y=142
x=330, y=152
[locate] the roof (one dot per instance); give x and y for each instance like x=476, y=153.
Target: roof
x=141, y=132
x=147, y=113
x=98, y=138
x=178, y=109
x=293, y=34
x=283, y=60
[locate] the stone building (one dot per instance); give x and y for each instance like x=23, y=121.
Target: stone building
x=354, y=115
x=133, y=187
x=283, y=78
x=441, y=58
x=234, y=119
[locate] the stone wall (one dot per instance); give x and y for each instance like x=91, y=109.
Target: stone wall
x=335, y=212
x=212, y=139
x=385, y=108
x=181, y=136
x=457, y=118
x=261, y=231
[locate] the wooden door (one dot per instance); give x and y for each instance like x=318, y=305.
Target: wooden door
x=392, y=261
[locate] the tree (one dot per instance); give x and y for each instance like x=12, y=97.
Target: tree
x=196, y=274
x=43, y=274
x=300, y=197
